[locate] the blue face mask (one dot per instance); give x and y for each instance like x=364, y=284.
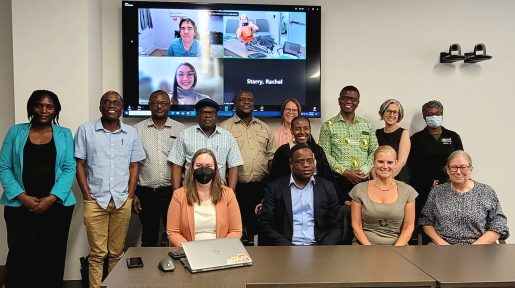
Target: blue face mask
x=434, y=121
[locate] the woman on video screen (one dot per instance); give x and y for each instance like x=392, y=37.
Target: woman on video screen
x=184, y=86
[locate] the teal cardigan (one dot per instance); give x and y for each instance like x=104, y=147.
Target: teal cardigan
x=11, y=165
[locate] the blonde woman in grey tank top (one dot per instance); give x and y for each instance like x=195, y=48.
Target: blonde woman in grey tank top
x=383, y=209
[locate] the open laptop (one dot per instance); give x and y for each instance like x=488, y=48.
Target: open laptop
x=207, y=255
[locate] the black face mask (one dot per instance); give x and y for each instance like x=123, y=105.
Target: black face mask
x=204, y=174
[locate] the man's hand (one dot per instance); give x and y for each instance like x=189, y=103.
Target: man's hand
x=354, y=176
x=44, y=204
x=435, y=183
x=136, y=205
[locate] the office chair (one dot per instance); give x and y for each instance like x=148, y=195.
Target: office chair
x=264, y=27
x=231, y=25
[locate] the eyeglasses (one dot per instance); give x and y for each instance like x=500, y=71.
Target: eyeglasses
x=348, y=99
x=301, y=162
x=157, y=104
x=291, y=110
x=391, y=112
x=115, y=103
x=455, y=168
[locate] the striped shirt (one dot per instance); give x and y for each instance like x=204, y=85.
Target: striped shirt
x=221, y=142
x=108, y=155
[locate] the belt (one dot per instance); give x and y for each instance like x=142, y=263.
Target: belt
x=158, y=189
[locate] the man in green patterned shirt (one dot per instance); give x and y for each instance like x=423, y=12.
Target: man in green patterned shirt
x=349, y=143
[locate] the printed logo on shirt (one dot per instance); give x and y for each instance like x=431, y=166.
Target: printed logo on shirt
x=446, y=141
x=363, y=142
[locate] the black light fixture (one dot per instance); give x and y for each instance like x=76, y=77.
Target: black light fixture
x=478, y=55
x=453, y=55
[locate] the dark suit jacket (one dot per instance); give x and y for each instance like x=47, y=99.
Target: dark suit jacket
x=276, y=217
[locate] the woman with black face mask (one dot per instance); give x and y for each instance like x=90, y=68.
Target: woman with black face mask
x=203, y=208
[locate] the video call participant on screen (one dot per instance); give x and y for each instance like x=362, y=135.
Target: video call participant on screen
x=257, y=147
x=301, y=130
x=383, y=209
x=246, y=31
x=154, y=191
x=187, y=45
x=206, y=135
x=107, y=153
x=300, y=209
x=204, y=208
x=430, y=148
x=184, y=86
x=289, y=109
x=463, y=211
x=38, y=208
x=391, y=112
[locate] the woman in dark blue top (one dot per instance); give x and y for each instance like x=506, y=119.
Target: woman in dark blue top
x=37, y=170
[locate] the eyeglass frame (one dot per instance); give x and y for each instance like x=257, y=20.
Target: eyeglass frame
x=301, y=162
x=463, y=169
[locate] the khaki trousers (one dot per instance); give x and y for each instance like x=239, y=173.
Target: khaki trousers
x=106, y=230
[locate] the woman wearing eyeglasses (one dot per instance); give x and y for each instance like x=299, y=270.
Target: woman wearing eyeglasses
x=391, y=112
x=289, y=110
x=463, y=211
x=383, y=209
x=184, y=84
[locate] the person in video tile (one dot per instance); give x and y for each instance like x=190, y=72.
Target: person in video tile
x=187, y=45
x=184, y=86
x=246, y=33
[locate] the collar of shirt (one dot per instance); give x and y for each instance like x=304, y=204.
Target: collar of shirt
x=426, y=131
x=168, y=122
x=237, y=119
x=292, y=181
x=99, y=126
x=202, y=131
x=355, y=120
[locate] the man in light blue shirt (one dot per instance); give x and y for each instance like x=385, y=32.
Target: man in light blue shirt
x=293, y=204
x=107, y=153
x=302, y=208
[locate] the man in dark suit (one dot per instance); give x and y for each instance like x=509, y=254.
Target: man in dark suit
x=300, y=209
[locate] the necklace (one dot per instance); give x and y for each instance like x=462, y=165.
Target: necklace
x=383, y=189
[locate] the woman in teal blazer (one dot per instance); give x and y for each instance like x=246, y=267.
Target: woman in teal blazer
x=37, y=170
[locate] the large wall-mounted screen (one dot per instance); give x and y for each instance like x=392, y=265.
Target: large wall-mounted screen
x=193, y=51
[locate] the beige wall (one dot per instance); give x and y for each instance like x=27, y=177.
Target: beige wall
x=7, y=96
x=388, y=49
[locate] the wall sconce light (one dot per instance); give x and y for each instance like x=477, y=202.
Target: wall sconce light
x=453, y=55
x=478, y=55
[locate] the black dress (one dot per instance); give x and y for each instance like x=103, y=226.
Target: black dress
x=37, y=238
x=393, y=139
